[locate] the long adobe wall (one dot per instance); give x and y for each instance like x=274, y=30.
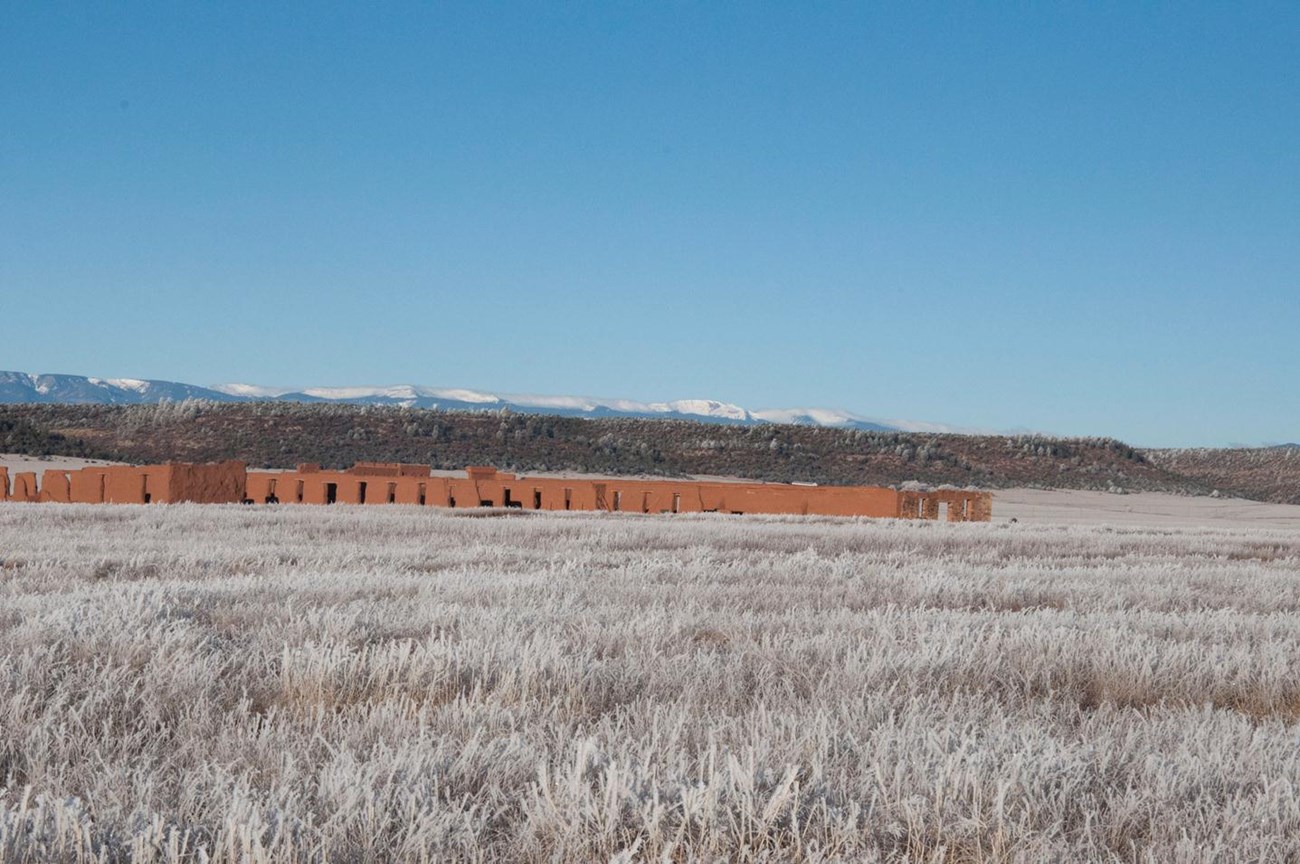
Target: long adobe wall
x=217, y=483
x=379, y=483
x=371, y=484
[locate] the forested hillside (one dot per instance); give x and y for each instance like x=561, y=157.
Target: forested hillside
x=1264, y=473
x=282, y=435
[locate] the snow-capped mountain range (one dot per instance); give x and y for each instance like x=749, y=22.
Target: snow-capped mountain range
x=23, y=387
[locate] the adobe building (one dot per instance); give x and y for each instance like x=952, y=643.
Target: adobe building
x=372, y=483
x=213, y=483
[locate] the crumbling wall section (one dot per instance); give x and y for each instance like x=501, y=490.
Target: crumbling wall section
x=87, y=486
x=390, y=469
x=24, y=486
x=124, y=485
x=132, y=484
x=961, y=505
x=482, y=486
x=55, y=487
x=213, y=483
x=979, y=507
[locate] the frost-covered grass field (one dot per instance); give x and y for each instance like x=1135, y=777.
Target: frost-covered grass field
x=400, y=684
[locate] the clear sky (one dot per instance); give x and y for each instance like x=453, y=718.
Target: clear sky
x=1081, y=218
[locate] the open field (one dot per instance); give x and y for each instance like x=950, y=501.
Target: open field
x=1139, y=509
x=403, y=684
x=16, y=462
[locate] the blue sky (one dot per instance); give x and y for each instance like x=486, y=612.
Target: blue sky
x=1078, y=218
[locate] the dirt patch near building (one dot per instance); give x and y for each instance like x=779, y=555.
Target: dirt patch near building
x=1146, y=509
x=16, y=462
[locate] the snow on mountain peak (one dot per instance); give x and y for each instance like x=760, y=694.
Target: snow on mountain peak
x=460, y=395
x=251, y=391
x=26, y=387
x=709, y=408
x=128, y=384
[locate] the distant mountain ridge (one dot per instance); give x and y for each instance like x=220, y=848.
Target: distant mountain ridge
x=28, y=388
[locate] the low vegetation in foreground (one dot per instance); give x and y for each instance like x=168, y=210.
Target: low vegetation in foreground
x=235, y=684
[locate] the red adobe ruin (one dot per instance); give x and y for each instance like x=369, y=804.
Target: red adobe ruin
x=375, y=483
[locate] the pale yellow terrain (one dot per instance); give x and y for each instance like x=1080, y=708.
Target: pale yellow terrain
x=16, y=462
x=1146, y=509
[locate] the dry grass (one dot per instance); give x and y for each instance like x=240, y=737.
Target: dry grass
x=395, y=684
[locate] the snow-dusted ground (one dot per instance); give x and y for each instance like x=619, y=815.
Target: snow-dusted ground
x=1149, y=509
x=291, y=684
x=16, y=462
